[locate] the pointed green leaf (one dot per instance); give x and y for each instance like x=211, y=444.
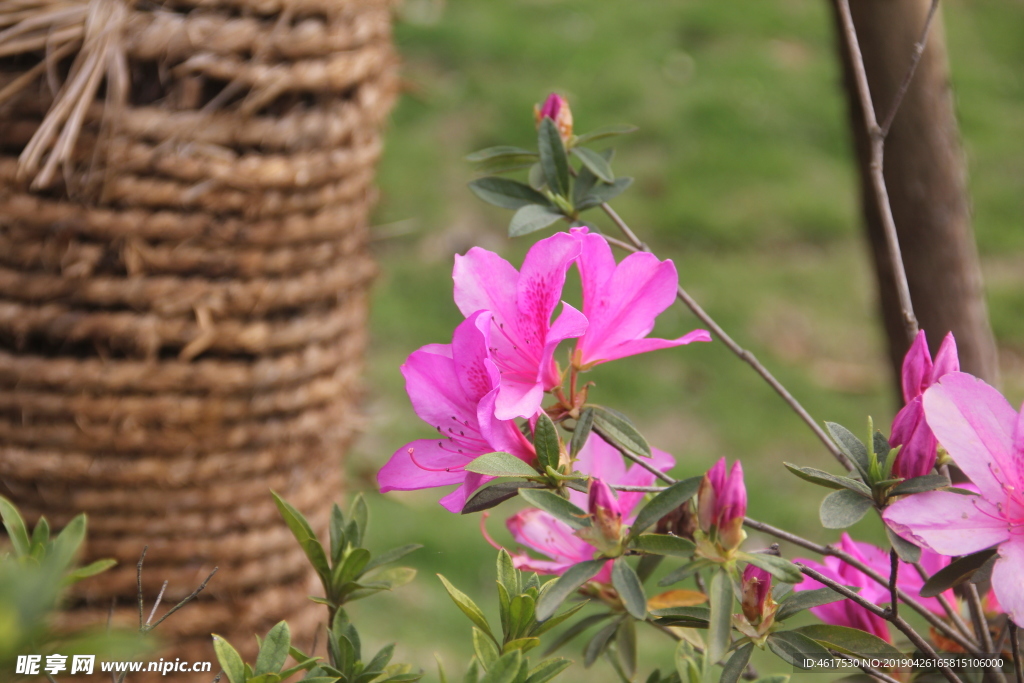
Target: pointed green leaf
x=553, y=160
x=41, y=534
x=802, y=600
x=524, y=645
x=90, y=569
x=391, y=556
x=581, y=432
x=720, y=597
x=230, y=660
x=680, y=573
x=15, y=526
x=468, y=607
x=625, y=646
x=548, y=669
x=648, y=564
x=542, y=628
x=793, y=648
x=545, y=442
x=557, y=506
x=274, y=650
x=576, y=629
x=665, y=502
x=828, y=480
x=851, y=641
x=500, y=464
x=629, y=588
x=304, y=535
x=595, y=162
x=337, y=533
x=604, y=192
x=359, y=514
x=599, y=642
x=485, y=648
x=351, y=567
x=842, y=509
x=605, y=132
x=531, y=219
x=508, y=575
x=507, y=193
x=565, y=585
x=779, y=567
x=955, y=573
x=928, y=482
x=619, y=431
x=504, y=669
x=492, y=153
x=734, y=668
x=907, y=551
x=850, y=446
x=496, y=494
x=520, y=615
x=65, y=546
x=663, y=544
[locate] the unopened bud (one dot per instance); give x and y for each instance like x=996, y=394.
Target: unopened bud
x=557, y=109
x=756, y=596
x=605, y=511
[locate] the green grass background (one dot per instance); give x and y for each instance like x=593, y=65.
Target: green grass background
x=744, y=178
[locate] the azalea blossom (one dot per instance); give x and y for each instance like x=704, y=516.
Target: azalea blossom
x=521, y=303
x=722, y=504
x=553, y=538
x=621, y=302
x=847, y=612
x=984, y=436
x=909, y=428
x=453, y=387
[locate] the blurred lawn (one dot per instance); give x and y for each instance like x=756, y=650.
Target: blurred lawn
x=744, y=178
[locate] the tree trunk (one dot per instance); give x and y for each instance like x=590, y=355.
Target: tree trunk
x=925, y=174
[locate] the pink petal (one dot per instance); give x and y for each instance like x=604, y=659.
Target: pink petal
x=549, y=536
x=456, y=500
x=435, y=391
x=518, y=399
x=946, y=360
x=477, y=373
x=946, y=522
x=502, y=435
x=917, y=368
x=400, y=473
x=569, y=325
x=911, y=431
x=975, y=424
x=485, y=281
x=539, y=288
x=1006, y=579
x=638, y=346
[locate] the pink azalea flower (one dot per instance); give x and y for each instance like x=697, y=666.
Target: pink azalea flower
x=555, y=539
x=984, y=435
x=909, y=428
x=453, y=387
x=523, y=338
x=622, y=300
x=847, y=612
x=722, y=504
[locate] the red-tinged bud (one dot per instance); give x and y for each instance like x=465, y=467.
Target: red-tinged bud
x=605, y=511
x=722, y=504
x=680, y=522
x=557, y=109
x=756, y=594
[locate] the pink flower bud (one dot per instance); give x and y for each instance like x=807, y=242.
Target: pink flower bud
x=605, y=510
x=756, y=592
x=557, y=109
x=722, y=504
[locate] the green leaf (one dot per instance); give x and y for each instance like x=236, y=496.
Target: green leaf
x=553, y=161
x=468, y=607
x=907, y=551
x=733, y=669
x=557, y=506
x=531, y=219
x=274, y=650
x=520, y=615
x=351, y=567
x=492, y=153
x=565, y=585
x=625, y=645
x=496, y=494
x=793, y=648
x=581, y=432
x=665, y=502
x=304, y=535
x=599, y=642
x=65, y=546
x=359, y=514
x=337, y=533
x=828, y=480
x=955, y=573
x=548, y=669
x=505, y=669
x=852, y=641
x=381, y=659
x=91, y=569
x=629, y=588
x=576, y=629
x=545, y=442
x=881, y=446
x=595, y=162
x=508, y=575
x=485, y=648
x=15, y=526
x=524, y=645
x=604, y=192
x=392, y=555
x=540, y=629
x=720, y=625
x=850, y=446
x=619, y=431
x=41, y=534
x=507, y=193
x=647, y=566
x=684, y=572
x=928, y=482
x=802, y=600
x=842, y=509
x=500, y=464
x=779, y=567
x=230, y=660
x=605, y=132
x=663, y=544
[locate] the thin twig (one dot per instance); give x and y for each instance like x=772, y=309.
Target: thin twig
x=915, y=59
x=716, y=330
x=877, y=144
x=824, y=550
x=981, y=631
x=637, y=489
x=1015, y=648
x=950, y=612
x=894, y=572
x=138, y=581
x=647, y=466
x=156, y=603
x=189, y=598
x=886, y=614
